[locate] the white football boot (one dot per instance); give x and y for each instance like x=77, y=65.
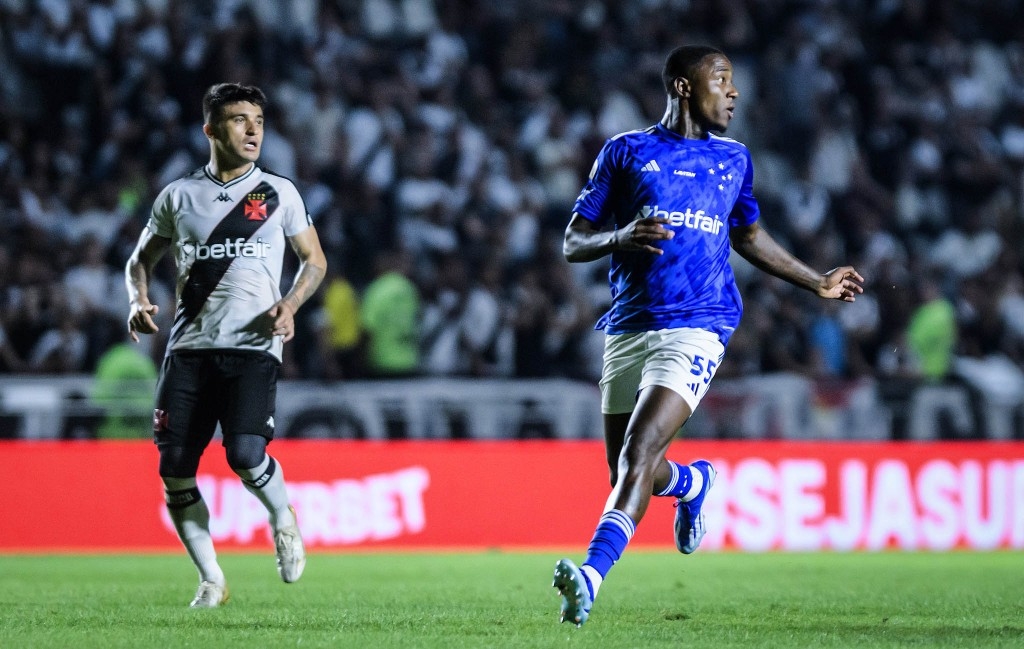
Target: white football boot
x=291, y=553
x=210, y=595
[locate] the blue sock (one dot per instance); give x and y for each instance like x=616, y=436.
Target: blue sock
x=613, y=533
x=680, y=482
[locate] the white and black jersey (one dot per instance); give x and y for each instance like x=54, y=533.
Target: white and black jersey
x=229, y=241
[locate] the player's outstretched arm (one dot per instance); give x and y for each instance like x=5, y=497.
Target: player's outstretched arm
x=137, y=273
x=312, y=269
x=584, y=242
x=755, y=245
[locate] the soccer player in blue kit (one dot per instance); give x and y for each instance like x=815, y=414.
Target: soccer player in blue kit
x=666, y=202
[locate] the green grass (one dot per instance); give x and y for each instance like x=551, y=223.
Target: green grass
x=497, y=599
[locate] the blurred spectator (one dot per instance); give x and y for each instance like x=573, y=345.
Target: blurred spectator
x=89, y=286
x=571, y=324
x=390, y=315
x=10, y=361
x=425, y=205
x=970, y=247
x=828, y=344
x=32, y=303
x=463, y=325
x=555, y=142
x=372, y=130
x=932, y=332
x=340, y=328
x=788, y=347
x=492, y=337
x=1011, y=315
x=984, y=360
x=123, y=388
x=532, y=311
x=61, y=349
x=465, y=128
x=805, y=206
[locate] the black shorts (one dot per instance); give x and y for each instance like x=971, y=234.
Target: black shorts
x=198, y=390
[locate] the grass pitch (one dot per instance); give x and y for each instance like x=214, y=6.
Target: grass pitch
x=499, y=599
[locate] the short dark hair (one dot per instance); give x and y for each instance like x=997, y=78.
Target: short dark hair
x=683, y=62
x=220, y=94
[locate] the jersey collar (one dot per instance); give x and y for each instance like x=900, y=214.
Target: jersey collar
x=233, y=181
x=672, y=135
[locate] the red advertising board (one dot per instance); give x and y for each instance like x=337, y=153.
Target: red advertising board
x=106, y=496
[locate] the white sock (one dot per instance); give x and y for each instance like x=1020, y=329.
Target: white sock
x=594, y=576
x=696, y=484
x=191, y=518
x=266, y=482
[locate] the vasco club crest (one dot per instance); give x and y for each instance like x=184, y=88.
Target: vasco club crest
x=256, y=207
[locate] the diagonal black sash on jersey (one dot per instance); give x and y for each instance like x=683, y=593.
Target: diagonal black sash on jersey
x=205, y=274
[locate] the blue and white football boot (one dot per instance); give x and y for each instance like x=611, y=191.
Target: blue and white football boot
x=689, y=524
x=572, y=586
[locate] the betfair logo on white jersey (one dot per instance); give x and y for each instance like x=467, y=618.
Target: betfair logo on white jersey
x=230, y=249
x=689, y=219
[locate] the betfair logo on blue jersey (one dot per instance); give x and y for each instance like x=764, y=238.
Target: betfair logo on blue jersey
x=689, y=219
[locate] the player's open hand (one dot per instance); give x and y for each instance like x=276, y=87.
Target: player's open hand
x=140, y=319
x=641, y=234
x=841, y=283
x=282, y=320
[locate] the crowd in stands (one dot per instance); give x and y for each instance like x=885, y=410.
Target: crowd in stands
x=440, y=144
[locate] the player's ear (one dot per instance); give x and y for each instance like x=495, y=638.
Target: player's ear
x=682, y=87
x=208, y=131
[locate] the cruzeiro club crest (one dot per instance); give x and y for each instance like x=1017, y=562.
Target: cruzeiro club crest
x=256, y=207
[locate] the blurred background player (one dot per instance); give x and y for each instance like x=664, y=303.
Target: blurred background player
x=666, y=202
x=227, y=225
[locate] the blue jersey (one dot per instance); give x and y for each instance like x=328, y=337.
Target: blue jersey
x=703, y=187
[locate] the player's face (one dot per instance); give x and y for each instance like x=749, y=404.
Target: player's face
x=714, y=95
x=238, y=134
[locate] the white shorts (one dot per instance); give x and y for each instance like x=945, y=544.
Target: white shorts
x=682, y=360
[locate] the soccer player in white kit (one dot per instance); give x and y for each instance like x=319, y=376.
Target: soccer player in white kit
x=227, y=225
x=666, y=202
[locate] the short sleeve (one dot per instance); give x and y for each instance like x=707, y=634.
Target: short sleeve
x=595, y=201
x=161, y=218
x=746, y=210
x=296, y=217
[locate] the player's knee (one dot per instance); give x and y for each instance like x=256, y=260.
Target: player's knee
x=179, y=461
x=636, y=469
x=245, y=451
x=641, y=457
